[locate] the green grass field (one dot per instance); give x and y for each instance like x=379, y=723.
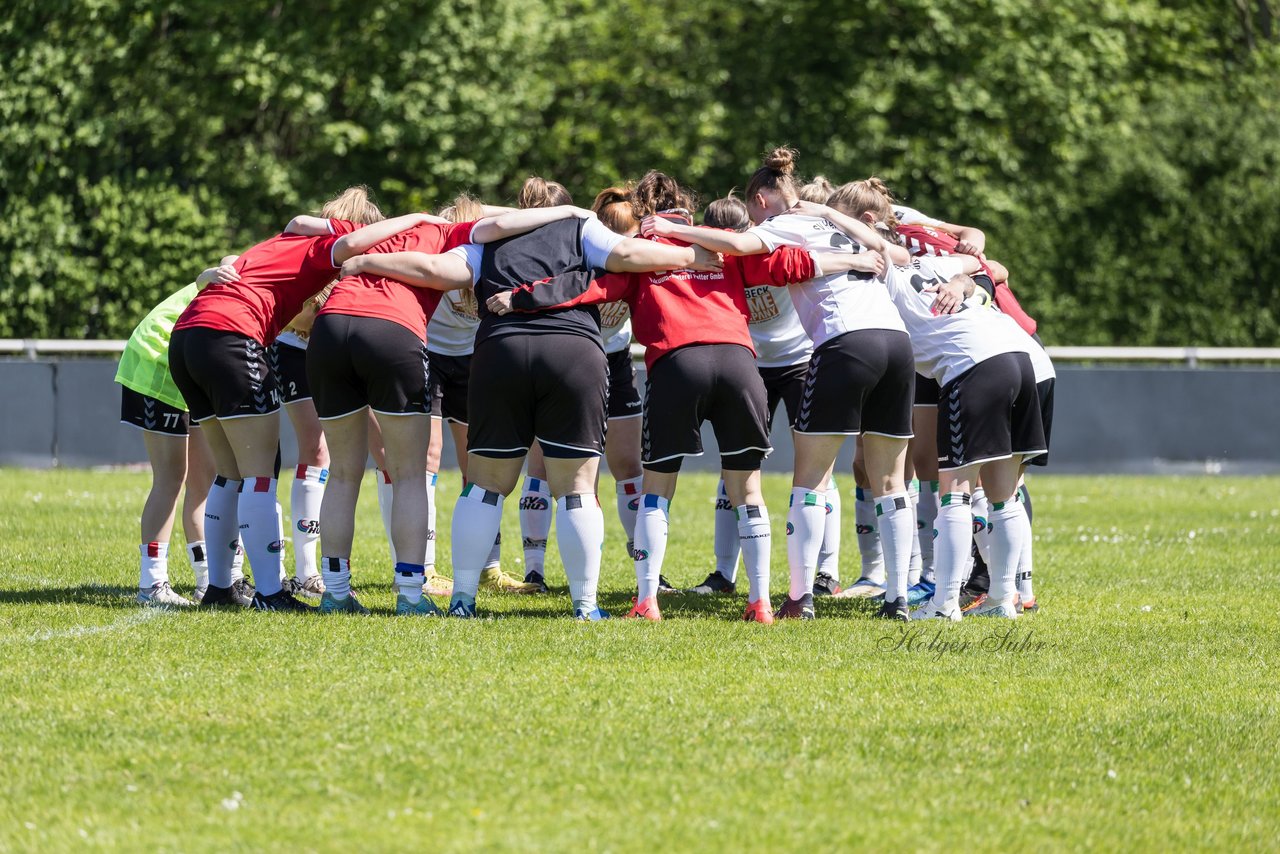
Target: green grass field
x=1138, y=710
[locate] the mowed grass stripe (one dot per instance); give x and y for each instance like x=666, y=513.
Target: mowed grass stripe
x=1136, y=711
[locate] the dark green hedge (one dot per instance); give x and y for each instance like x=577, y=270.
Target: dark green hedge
x=1121, y=154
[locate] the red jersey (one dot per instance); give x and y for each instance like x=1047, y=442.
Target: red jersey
x=388, y=299
x=276, y=277
x=927, y=240
x=682, y=307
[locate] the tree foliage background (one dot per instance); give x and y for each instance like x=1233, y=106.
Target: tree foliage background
x=1121, y=154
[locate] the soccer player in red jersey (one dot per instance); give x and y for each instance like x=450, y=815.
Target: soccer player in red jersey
x=217, y=356
x=368, y=352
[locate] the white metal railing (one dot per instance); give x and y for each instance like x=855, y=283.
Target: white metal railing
x=35, y=347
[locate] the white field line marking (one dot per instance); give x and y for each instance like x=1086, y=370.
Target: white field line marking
x=141, y=616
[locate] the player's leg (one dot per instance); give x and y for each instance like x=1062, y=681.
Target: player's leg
x=307, y=492
x=622, y=440
x=536, y=512
x=924, y=457
x=870, y=581
x=347, y=438
x=168, y=457
x=200, y=475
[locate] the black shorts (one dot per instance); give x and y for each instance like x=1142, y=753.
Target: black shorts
x=354, y=362
x=546, y=387
x=705, y=382
x=926, y=391
x=784, y=385
x=222, y=374
x=151, y=415
x=290, y=365
x=624, y=397
x=447, y=387
x=860, y=382
x=1044, y=392
x=990, y=412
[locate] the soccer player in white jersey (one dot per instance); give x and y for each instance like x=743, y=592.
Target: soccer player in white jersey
x=288, y=358
x=871, y=202
x=782, y=358
x=859, y=382
x=989, y=423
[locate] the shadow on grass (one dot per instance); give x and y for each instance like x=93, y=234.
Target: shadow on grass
x=100, y=595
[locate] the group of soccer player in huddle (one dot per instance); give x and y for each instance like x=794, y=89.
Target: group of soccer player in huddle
x=864, y=318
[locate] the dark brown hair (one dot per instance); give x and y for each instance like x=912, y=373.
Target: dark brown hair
x=541, y=193
x=660, y=192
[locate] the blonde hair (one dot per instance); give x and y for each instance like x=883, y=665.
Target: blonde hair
x=464, y=208
x=818, y=190
x=541, y=193
x=777, y=173
x=870, y=196
x=729, y=212
x=354, y=205
x=613, y=206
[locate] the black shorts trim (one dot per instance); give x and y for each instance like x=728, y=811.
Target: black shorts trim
x=549, y=388
x=989, y=413
x=357, y=362
x=290, y=365
x=784, y=385
x=1044, y=391
x=926, y=391
x=705, y=382
x=860, y=382
x=151, y=415
x=222, y=374
x=624, y=397
x=448, y=386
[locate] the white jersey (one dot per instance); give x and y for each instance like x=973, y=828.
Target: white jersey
x=451, y=331
x=615, y=326
x=829, y=306
x=291, y=339
x=947, y=345
x=776, y=332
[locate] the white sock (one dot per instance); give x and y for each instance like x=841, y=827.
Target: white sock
x=408, y=579
x=580, y=538
x=982, y=525
x=726, y=536
x=896, y=520
x=535, y=523
x=155, y=565
x=304, y=507
x=476, y=519
x=337, y=576
x=757, y=540
x=432, y=479
x=199, y=563
x=260, y=532
x=829, y=555
x=926, y=513
x=386, y=497
x=864, y=515
x=222, y=528
x=652, y=521
x=952, y=547
x=1024, y=563
x=806, y=519
x=284, y=575
x=628, y=507
x=1009, y=532
x=916, y=562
